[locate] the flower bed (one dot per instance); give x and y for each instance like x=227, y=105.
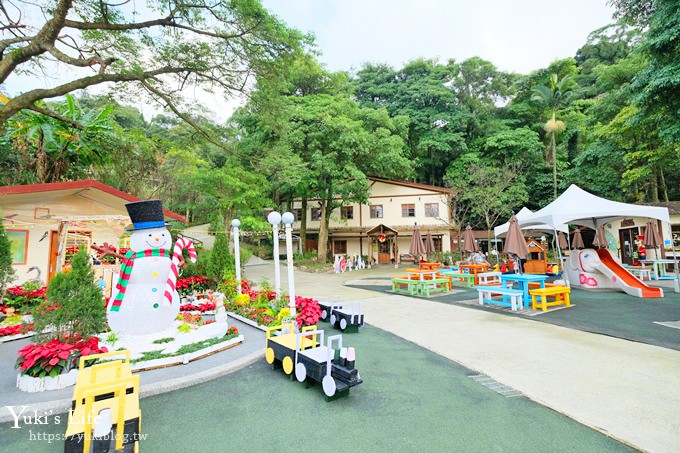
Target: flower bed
x=54, y=357
x=207, y=306
x=264, y=308
x=16, y=326
x=23, y=298
x=193, y=285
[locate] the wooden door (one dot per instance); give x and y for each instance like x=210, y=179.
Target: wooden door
x=627, y=238
x=52, y=261
x=384, y=252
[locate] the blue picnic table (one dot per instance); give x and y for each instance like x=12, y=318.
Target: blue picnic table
x=523, y=283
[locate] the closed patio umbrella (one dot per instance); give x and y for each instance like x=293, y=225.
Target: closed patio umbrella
x=469, y=243
x=562, y=241
x=515, y=243
x=600, y=238
x=652, y=236
x=429, y=243
x=416, y=248
x=577, y=242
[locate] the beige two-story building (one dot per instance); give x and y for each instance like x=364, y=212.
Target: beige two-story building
x=383, y=228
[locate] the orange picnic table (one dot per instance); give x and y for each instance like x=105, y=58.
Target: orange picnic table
x=474, y=269
x=430, y=266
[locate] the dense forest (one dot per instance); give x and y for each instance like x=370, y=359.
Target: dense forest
x=607, y=119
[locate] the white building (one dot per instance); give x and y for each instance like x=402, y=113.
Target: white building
x=383, y=228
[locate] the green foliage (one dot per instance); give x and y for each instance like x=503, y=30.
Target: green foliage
x=54, y=150
x=79, y=305
x=6, y=270
x=221, y=262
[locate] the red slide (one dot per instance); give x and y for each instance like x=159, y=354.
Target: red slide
x=624, y=279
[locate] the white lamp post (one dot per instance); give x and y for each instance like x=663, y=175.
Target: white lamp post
x=288, y=219
x=237, y=253
x=274, y=218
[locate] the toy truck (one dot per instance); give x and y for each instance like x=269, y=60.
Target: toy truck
x=306, y=355
x=105, y=415
x=348, y=317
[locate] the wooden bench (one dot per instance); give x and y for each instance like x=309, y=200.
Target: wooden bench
x=411, y=258
x=468, y=279
x=536, y=285
x=550, y=296
x=489, y=278
x=434, y=286
x=510, y=297
x=448, y=278
x=411, y=286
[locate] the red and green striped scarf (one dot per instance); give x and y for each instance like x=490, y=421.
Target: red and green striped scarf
x=126, y=270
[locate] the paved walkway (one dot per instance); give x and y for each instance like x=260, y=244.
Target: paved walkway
x=625, y=389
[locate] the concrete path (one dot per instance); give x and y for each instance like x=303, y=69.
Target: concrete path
x=153, y=382
x=625, y=389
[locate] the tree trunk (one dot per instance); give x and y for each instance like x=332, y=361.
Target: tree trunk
x=554, y=162
x=664, y=188
x=322, y=254
x=303, y=225
x=654, y=189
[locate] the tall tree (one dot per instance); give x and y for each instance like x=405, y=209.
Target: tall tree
x=658, y=85
x=420, y=91
x=554, y=96
x=214, y=45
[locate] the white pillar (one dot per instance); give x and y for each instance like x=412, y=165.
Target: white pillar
x=237, y=252
x=288, y=219
x=274, y=218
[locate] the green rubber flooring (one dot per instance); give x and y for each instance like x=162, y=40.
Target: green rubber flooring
x=612, y=313
x=412, y=400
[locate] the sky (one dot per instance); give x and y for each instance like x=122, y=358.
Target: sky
x=515, y=35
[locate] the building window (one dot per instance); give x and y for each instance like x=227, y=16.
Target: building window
x=298, y=214
x=376, y=211
x=431, y=209
x=347, y=212
x=316, y=214
x=340, y=247
x=408, y=210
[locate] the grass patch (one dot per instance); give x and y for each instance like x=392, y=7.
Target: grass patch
x=163, y=340
x=186, y=349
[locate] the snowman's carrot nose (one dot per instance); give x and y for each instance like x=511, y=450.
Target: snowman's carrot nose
x=158, y=239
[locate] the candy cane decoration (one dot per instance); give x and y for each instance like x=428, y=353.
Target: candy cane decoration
x=181, y=244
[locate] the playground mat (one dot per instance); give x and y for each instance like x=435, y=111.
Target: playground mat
x=612, y=313
x=411, y=400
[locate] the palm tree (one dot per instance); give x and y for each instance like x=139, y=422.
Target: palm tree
x=554, y=96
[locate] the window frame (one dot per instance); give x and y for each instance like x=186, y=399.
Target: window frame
x=373, y=211
x=406, y=210
x=344, y=210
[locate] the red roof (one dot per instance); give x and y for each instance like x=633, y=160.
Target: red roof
x=83, y=184
x=416, y=185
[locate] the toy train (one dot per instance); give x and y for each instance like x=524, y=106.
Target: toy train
x=105, y=415
x=348, y=317
x=306, y=355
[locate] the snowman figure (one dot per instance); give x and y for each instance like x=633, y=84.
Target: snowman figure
x=144, y=300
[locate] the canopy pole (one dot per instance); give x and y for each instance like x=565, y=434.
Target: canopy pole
x=675, y=259
x=559, y=254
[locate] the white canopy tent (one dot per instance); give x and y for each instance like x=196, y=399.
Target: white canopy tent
x=582, y=208
x=523, y=214
x=579, y=207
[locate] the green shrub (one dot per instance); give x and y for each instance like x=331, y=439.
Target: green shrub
x=74, y=304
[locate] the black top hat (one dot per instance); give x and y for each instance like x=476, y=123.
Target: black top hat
x=146, y=214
